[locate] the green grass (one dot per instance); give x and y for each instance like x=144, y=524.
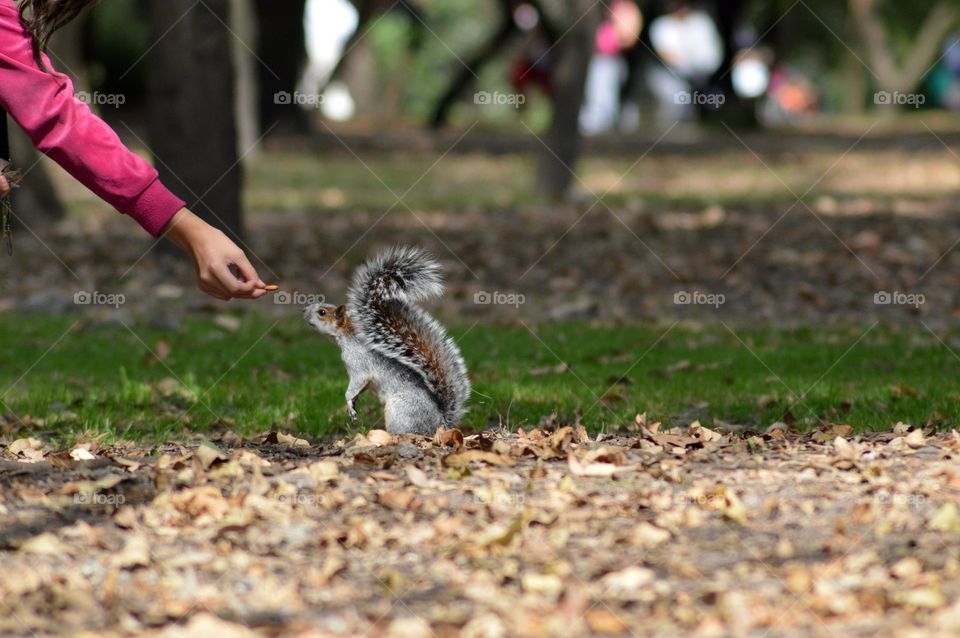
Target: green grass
x=100, y=379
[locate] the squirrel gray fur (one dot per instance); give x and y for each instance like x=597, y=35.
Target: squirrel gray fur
x=392, y=346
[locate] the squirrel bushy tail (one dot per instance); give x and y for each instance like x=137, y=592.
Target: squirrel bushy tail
x=382, y=303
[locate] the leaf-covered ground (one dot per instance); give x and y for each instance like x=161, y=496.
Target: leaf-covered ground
x=547, y=532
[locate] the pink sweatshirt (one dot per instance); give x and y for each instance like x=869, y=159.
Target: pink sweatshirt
x=64, y=129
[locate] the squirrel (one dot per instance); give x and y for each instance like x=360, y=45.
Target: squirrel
x=392, y=346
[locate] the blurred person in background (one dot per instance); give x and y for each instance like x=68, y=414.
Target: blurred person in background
x=690, y=48
x=944, y=83
x=328, y=26
x=791, y=97
x=619, y=33
x=41, y=101
x=532, y=67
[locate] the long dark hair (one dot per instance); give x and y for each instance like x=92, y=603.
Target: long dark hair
x=43, y=17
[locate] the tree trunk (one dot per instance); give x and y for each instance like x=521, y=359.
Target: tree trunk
x=191, y=122
x=36, y=199
x=366, y=15
x=908, y=75
x=563, y=140
x=465, y=73
x=854, y=78
x=362, y=77
x=243, y=23
x=282, y=52
x=66, y=50
x=734, y=110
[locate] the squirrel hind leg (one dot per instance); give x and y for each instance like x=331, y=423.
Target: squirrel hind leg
x=412, y=415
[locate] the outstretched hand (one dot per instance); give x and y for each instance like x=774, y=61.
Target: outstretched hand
x=223, y=270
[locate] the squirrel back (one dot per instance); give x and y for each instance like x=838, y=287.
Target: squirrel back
x=382, y=303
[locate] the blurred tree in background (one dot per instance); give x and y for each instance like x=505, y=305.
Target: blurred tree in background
x=282, y=53
x=191, y=121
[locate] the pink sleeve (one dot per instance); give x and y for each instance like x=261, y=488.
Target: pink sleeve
x=64, y=129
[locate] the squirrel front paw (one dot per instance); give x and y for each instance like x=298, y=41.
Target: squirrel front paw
x=352, y=412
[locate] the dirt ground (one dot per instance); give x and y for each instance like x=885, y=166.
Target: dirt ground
x=541, y=533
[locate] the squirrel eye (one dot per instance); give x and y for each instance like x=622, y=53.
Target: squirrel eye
x=322, y=312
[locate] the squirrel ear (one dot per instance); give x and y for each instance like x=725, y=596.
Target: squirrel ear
x=340, y=313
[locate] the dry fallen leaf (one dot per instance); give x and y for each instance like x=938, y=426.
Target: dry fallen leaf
x=419, y=478
x=135, y=553
x=604, y=621
x=380, y=437
x=399, y=499
x=206, y=625
x=704, y=434
x=206, y=501
x=410, y=627
x=287, y=439
x=46, y=543
x=81, y=453
x=125, y=517
x=915, y=439
x=902, y=428
x=446, y=438
x=925, y=597
x=208, y=454
x=545, y=584
x=23, y=447
x=603, y=461
x=845, y=449
x=249, y=459
x=907, y=568
x=648, y=535
x=946, y=519
x=627, y=582
x=323, y=471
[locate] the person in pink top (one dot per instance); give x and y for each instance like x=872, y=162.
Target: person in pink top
x=41, y=102
x=619, y=33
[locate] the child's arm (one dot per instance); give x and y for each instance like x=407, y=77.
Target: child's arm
x=65, y=129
